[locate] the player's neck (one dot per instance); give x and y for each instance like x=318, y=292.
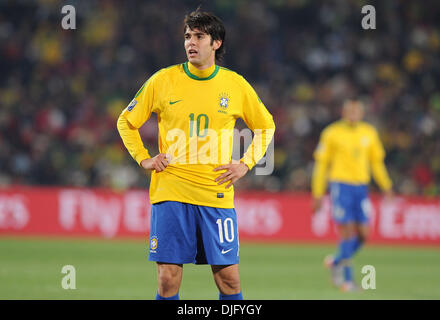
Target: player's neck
x=201, y=71
x=350, y=123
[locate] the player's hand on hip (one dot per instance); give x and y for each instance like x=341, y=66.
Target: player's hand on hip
x=234, y=171
x=158, y=163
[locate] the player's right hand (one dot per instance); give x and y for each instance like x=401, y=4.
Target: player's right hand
x=158, y=163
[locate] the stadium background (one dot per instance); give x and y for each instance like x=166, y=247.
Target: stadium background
x=65, y=177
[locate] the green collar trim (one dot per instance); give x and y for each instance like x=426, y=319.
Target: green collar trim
x=193, y=76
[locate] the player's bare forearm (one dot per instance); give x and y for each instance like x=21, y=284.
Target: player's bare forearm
x=234, y=171
x=317, y=204
x=389, y=194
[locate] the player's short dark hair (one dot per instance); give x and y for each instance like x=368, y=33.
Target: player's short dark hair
x=209, y=24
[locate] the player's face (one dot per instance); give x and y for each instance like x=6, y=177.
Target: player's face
x=353, y=111
x=200, y=49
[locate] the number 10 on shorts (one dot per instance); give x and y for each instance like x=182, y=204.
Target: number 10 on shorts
x=226, y=228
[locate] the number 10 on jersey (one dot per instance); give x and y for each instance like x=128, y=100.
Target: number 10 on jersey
x=201, y=117
x=225, y=229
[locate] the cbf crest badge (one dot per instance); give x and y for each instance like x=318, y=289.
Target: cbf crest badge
x=224, y=100
x=153, y=244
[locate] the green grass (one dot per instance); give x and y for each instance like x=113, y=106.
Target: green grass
x=30, y=268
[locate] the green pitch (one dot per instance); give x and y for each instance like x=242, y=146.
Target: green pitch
x=31, y=269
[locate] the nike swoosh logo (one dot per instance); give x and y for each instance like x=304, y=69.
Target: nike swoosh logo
x=226, y=251
x=173, y=102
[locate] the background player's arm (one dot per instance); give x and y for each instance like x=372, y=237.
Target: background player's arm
x=378, y=169
x=322, y=156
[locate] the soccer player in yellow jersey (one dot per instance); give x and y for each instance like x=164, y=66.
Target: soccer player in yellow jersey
x=348, y=151
x=197, y=103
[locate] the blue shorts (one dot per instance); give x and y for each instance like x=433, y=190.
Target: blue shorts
x=350, y=203
x=186, y=233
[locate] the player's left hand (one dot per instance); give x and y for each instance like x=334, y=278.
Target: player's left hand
x=234, y=171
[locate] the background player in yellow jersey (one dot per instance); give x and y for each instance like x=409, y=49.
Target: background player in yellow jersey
x=349, y=151
x=197, y=103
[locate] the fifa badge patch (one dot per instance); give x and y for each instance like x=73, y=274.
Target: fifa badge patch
x=132, y=105
x=224, y=100
x=153, y=244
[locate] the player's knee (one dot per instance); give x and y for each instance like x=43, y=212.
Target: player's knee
x=168, y=278
x=362, y=238
x=346, y=231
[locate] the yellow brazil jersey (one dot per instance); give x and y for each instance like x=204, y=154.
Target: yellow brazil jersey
x=196, y=113
x=348, y=153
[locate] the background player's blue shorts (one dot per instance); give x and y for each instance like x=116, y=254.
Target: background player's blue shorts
x=186, y=233
x=350, y=203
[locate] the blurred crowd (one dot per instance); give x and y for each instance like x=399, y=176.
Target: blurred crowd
x=61, y=91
